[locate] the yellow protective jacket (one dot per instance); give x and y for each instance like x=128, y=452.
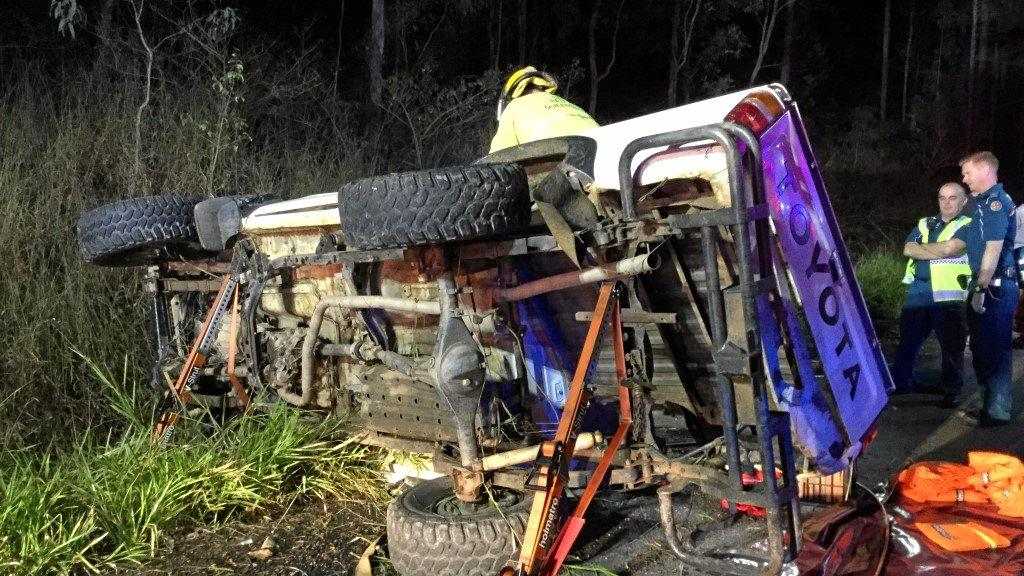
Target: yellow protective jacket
x=537, y=116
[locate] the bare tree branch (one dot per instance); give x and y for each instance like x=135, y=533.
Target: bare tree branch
x=906, y=63
x=767, y=28
x=595, y=76
x=680, y=57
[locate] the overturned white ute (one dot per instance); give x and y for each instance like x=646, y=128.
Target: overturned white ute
x=662, y=302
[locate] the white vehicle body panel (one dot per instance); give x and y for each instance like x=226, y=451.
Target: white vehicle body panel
x=613, y=138
x=308, y=212
x=700, y=161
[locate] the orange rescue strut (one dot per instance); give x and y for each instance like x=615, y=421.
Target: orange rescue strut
x=199, y=354
x=543, y=552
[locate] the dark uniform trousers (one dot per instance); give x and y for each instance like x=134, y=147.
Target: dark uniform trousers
x=916, y=324
x=991, y=336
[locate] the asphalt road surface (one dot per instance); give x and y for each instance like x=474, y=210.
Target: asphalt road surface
x=915, y=428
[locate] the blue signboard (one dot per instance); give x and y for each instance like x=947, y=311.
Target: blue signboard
x=830, y=422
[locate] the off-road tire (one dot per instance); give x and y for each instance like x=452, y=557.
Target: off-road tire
x=426, y=539
x=434, y=206
x=135, y=231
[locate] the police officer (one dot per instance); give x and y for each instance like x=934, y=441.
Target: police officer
x=936, y=292
x=995, y=291
x=529, y=109
x=1018, y=251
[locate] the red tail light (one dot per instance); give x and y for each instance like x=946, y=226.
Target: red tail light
x=757, y=111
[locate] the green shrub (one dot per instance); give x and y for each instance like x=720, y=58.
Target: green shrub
x=880, y=276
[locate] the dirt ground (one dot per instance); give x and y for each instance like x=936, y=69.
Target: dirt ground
x=313, y=538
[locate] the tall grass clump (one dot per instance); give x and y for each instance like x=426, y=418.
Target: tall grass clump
x=258, y=120
x=64, y=150
x=105, y=502
x=880, y=275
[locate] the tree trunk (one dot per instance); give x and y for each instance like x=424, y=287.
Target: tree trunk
x=974, y=39
x=592, y=44
x=937, y=87
x=971, y=62
x=147, y=81
x=673, y=51
x=883, y=90
x=523, y=36
x=906, y=63
x=337, y=51
x=984, y=20
x=787, y=46
x=495, y=36
x=375, y=58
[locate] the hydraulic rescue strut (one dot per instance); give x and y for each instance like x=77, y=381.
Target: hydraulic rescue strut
x=546, y=545
x=199, y=354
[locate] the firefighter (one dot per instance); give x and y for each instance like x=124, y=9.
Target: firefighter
x=995, y=290
x=529, y=109
x=936, y=292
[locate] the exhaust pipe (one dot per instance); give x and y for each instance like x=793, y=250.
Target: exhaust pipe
x=622, y=269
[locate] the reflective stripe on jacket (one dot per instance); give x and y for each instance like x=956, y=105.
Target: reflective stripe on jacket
x=945, y=272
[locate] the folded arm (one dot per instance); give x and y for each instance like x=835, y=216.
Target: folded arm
x=936, y=250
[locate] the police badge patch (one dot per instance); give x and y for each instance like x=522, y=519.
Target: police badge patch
x=996, y=205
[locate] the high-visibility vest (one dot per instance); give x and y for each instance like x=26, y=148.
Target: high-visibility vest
x=942, y=495
x=537, y=116
x=945, y=272
x=988, y=477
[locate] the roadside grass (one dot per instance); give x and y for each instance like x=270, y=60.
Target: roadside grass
x=106, y=502
x=880, y=275
x=81, y=488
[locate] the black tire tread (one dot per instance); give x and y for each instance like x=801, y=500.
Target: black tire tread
x=430, y=545
x=434, y=206
x=120, y=233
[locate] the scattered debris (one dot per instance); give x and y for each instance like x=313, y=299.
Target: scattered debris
x=364, y=567
x=265, y=551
